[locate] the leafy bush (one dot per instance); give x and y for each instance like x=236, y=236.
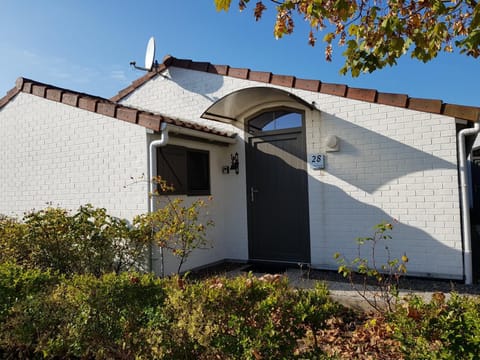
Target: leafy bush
x=316, y=308
x=241, y=318
x=176, y=227
x=138, y=316
x=17, y=283
x=88, y=241
x=439, y=329
x=84, y=316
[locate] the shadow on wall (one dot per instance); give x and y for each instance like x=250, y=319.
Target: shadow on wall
x=368, y=160
x=337, y=218
x=197, y=84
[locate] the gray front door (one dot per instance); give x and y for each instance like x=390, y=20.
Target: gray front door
x=277, y=192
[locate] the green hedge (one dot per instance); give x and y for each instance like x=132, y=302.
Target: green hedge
x=139, y=316
x=131, y=315
x=439, y=329
x=85, y=241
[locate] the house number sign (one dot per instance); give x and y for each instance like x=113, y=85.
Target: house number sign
x=317, y=161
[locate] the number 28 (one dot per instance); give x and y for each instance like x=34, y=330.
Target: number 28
x=316, y=159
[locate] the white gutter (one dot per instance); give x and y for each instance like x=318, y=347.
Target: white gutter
x=465, y=203
x=152, y=149
x=174, y=129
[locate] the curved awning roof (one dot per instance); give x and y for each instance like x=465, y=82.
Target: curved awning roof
x=231, y=107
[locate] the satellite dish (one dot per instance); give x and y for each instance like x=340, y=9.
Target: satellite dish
x=150, y=54
x=149, y=57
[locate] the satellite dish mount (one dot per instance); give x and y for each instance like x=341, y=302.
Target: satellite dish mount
x=150, y=63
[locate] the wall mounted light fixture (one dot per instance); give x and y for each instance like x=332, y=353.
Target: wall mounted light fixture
x=235, y=163
x=332, y=143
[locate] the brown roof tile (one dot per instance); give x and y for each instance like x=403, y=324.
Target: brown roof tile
x=183, y=63
x=100, y=105
x=333, y=89
x=309, y=85
x=462, y=111
x=368, y=95
x=87, y=103
x=106, y=108
x=149, y=121
x=70, y=99
x=127, y=114
x=399, y=100
x=10, y=95
x=54, y=94
x=200, y=66
x=238, y=73
x=260, y=76
x=426, y=105
x=218, y=69
x=38, y=90
x=282, y=80
x=470, y=113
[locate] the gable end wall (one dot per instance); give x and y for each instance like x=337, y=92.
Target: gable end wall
x=64, y=156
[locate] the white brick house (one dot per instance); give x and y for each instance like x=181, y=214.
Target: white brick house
x=383, y=157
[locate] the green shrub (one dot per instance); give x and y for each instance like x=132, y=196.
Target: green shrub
x=240, y=318
x=140, y=316
x=316, y=308
x=17, y=283
x=439, y=329
x=84, y=317
x=13, y=247
x=88, y=241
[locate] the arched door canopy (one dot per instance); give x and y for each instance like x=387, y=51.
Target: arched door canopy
x=230, y=107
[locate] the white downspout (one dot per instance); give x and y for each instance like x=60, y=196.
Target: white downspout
x=465, y=203
x=151, y=166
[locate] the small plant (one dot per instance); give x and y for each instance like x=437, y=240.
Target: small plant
x=175, y=227
x=316, y=307
x=384, y=278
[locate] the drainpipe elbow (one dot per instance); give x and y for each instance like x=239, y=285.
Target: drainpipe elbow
x=465, y=205
x=163, y=141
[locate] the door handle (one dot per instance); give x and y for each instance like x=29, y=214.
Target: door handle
x=252, y=193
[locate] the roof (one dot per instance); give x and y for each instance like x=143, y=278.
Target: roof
x=101, y=106
x=470, y=113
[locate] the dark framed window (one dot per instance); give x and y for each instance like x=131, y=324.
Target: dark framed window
x=281, y=119
x=187, y=170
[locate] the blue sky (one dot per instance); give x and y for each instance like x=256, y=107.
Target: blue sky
x=87, y=46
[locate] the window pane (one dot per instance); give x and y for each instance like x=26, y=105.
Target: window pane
x=275, y=120
x=198, y=172
x=187, y=170
x=286, y=121
x=171, y=167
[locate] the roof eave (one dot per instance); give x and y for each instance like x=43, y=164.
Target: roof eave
x=433, y=106
x=103, y=106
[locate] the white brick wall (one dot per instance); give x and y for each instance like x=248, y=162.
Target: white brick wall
x=228, y=236
x=58, y=154
x=187, y=97
x=393, y=164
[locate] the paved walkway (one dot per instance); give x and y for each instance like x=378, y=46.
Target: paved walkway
x=345, y=294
